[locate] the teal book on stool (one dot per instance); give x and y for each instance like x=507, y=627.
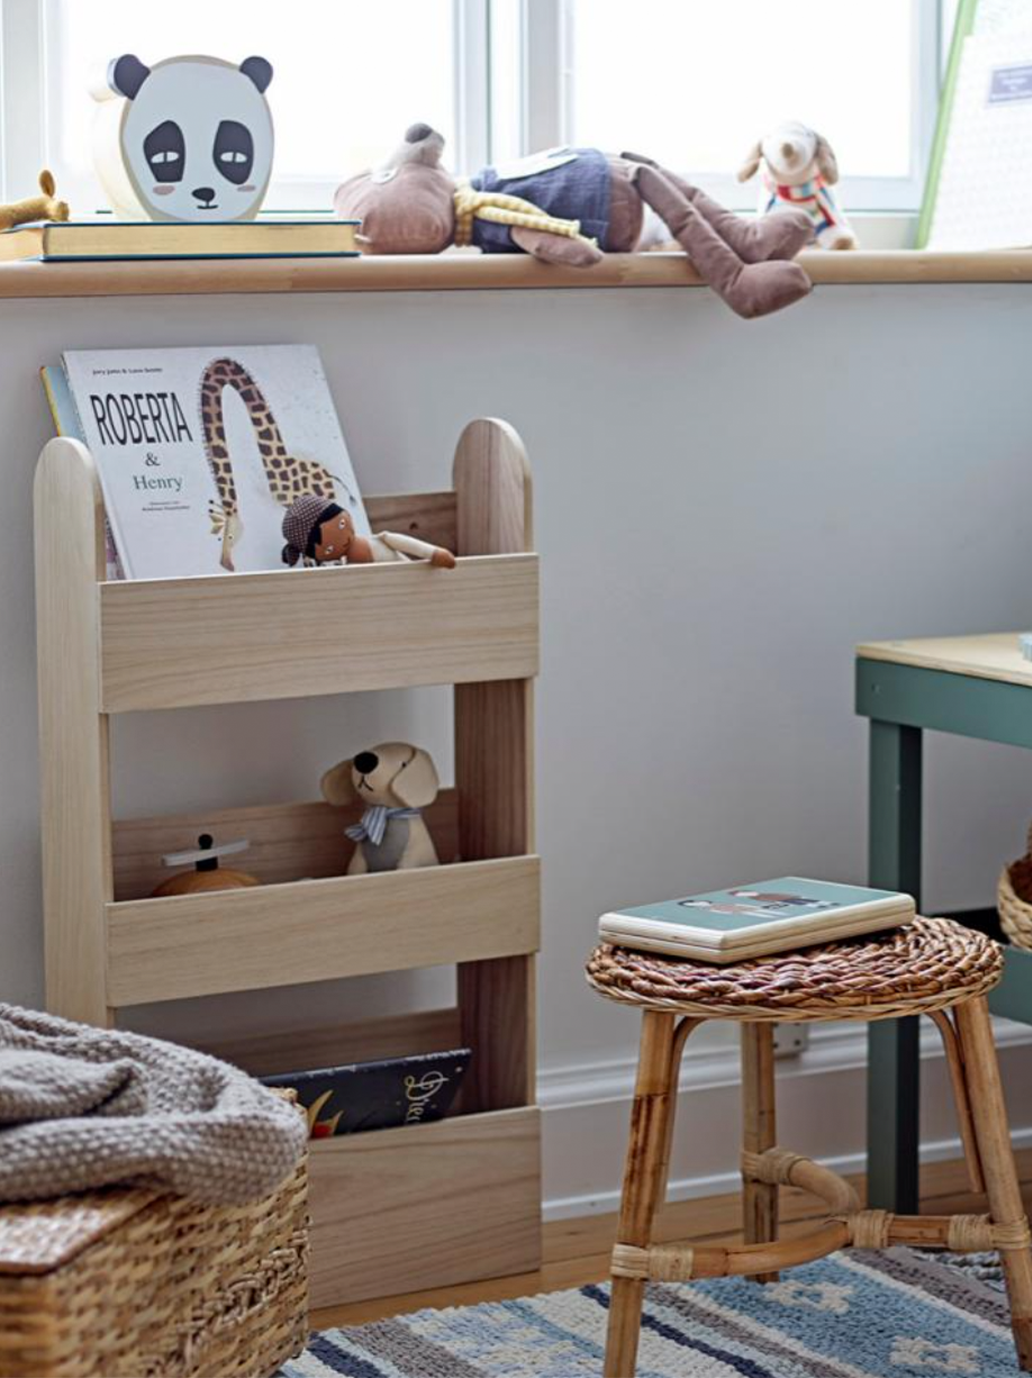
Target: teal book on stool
x=930, y=966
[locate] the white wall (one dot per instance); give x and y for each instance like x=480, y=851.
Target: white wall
x=723, y=510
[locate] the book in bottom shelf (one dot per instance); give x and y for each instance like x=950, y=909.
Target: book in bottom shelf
x=377, y=1095
x=200, y=451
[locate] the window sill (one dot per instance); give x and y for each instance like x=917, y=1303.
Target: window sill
x=471, y=271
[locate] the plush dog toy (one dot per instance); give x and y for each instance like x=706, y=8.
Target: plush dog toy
x=395, y=781
x=568, y=206
x=43, y=207
x=321, y=533
x=798, y=169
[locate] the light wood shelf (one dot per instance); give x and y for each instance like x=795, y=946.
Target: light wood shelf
x=402, y=1208
x=176, y=643
x=320, y=930
x=465, y=271
x=456, y=1198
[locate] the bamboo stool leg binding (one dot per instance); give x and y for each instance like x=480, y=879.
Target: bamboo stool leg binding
x=759, y=1132
x=989, y=1113
x=644, y=1179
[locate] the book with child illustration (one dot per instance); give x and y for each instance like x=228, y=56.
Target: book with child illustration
x=200, y=451
x=755, y=920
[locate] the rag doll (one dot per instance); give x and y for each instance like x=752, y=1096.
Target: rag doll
x=318, y=532
x=569, y=206
x=799, y=168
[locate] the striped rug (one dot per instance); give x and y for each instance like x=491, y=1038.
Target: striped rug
x=859, y=1315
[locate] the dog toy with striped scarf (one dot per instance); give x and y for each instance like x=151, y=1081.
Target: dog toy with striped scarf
x=798, y=170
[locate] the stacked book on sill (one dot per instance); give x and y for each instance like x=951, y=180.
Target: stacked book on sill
x=102, y=238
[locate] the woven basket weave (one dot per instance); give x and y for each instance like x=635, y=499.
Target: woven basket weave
x=129, y=1284
x=1015, y=911
x=927, y=965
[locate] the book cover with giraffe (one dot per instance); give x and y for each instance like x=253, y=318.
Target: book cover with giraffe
x=201, y=450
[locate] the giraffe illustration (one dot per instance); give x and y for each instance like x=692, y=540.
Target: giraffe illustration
x=287, y=475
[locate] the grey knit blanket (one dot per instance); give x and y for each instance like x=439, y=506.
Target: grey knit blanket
x=82, y=1107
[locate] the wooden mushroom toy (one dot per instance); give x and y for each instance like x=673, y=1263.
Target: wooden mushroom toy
x=207, y=874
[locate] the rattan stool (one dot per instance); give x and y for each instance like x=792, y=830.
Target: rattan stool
x=931, y=966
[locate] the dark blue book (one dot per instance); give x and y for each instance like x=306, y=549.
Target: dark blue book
x=377, y=1095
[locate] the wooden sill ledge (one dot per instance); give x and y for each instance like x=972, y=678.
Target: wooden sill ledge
x=465, y=271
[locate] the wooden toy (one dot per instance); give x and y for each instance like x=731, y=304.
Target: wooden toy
x=318, y=532
x=187, y=139
x=44, y=207
x=799, y=168
x=207, y=873
x=571, y=206
x=395, y=782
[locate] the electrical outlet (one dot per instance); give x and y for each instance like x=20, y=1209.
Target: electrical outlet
x=790, y=1039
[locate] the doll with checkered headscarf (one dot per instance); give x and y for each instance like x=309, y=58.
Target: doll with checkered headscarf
x=318, y=532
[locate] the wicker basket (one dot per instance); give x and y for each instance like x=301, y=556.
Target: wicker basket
x=1015, y=911
x=131, y=1284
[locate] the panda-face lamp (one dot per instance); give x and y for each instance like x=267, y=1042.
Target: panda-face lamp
x=188, y=139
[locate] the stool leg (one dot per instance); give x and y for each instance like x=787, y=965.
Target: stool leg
x=642, y=1184
x=1006, y=1207
x=759, y=1132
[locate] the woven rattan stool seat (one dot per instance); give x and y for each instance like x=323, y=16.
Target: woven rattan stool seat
x=927, y=965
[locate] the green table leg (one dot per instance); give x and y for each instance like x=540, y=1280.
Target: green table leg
x=894, y=863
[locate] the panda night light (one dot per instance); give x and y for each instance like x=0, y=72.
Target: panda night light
x=187, y=139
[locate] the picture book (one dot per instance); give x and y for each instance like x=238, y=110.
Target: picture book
x=66, y=422
x=377, y=1095
x=200, y=450
x=754, y=920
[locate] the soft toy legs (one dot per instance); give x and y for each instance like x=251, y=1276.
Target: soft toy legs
x=754, y=240
x=745, y=264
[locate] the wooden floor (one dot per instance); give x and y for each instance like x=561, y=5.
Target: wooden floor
x=577, y=1251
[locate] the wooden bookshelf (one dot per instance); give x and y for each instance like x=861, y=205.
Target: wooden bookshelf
x=420, y=1206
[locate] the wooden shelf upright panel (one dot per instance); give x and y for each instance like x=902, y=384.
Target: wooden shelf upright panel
x=393, y=1210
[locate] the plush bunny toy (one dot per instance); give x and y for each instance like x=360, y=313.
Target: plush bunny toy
x=799, y=167
x=568, y=206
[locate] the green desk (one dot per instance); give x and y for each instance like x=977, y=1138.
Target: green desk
x=973, y=686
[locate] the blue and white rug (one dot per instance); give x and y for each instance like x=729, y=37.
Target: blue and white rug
x=896, y=1314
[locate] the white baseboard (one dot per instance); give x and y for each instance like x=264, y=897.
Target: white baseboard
x=586, y=1108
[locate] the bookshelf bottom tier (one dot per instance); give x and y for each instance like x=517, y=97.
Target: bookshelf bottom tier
x=399, y=1210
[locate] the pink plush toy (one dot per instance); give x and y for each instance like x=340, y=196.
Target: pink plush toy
x=569, y=206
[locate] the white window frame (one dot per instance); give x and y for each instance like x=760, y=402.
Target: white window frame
x=530, y=108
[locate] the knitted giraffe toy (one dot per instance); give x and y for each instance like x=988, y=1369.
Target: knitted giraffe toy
x=569, y=206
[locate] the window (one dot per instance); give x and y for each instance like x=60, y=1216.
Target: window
x=864, y=75
x=690, y=82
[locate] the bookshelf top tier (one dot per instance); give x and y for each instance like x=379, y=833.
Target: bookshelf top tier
x=174, y=643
